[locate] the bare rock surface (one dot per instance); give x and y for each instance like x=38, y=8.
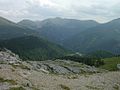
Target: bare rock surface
x=53, y=75
x=118, y=66
x=63, y=67
x=6, y=56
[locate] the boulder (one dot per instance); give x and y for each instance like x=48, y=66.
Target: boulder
x=58, y=69
x=118, y=66
x=63, y=67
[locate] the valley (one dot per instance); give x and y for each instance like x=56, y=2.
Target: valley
x=59, y=54
x=59, y=45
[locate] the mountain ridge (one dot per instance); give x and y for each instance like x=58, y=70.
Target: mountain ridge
x=55, y=28
x=102, y=37
x=9, y=29
x=33, y=48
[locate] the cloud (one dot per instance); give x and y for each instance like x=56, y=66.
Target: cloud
x=100, y=10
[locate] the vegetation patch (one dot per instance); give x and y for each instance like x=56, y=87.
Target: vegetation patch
x=93, y=87
x=64, y=87
x=73, y=77
x=2, y=62
x=35, y=88
x=111, y=63
x=17, y=88
x=92, y=61
x=2, y=80
x=13, y=70
x=116, y=87
x=20, y=66
x=24, y=67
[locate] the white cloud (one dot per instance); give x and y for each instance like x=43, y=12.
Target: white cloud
x=100, y=10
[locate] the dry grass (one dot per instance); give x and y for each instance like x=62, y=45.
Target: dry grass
x=64, y=87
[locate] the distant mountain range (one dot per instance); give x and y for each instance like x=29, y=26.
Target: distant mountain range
x=84, y=36
x=9, y=29
x=102, y=37
x=58, y=29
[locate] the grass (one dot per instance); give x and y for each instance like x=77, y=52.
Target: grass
x=72, y=77
x=2, y=80
x=64, y=87
x=2, y=62
x=116, y=87
x=111, y=63
x=16, y=88
x=33, y=88
x=20, y=66
x=24, y=67
x=72, y=64
x=92, y=87
x=13, y=70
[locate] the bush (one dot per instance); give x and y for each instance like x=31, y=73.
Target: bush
x=17, y=88
x=92, y=61
x=2, y=80
x=64, y=87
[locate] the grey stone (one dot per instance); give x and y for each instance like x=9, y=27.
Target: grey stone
x=75, y=70
x=59, y=69
x=118, y=66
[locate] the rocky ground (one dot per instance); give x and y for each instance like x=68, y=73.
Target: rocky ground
x=53, y=75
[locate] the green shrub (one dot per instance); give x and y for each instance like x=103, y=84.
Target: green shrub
x=64, y=87
x=17, y=88
x=92, y=61
x=116, y=87
x=2, y=80
x=20, y=66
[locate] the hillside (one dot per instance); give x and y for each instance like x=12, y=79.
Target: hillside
x=16, y=74
x=111, y=63
x=9, y=29
x=33, y=48
x=28, y=24
x=58, y=29
x=77, y=35
x=101, y=54
x=102, y=37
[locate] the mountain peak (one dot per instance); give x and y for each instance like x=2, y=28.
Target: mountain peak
x=58, y=18
x=25, y=20
x=27, y=23
x=115, y=21
x=4, y=21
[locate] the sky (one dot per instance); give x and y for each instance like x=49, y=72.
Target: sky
x=99, y=10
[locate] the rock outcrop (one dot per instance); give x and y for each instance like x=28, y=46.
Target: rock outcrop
x=63, y=67
x=6, y=56
x=118, y=66
x=16, y=74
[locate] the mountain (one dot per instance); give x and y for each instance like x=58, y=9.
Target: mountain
x=28, y=24
x=102, y=37
x=58, y=29
x=9, y=29
x=33, y=48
